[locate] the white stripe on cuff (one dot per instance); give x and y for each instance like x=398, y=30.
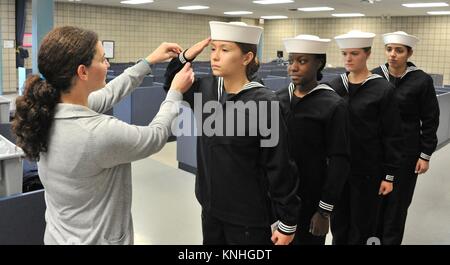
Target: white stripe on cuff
x=287, y=228
x=326, y=206
x=389, y=177
x=182, y=59
x=425, y=156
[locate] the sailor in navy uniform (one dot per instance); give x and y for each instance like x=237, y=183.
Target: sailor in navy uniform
x=242, y=186
x=375, y=140
x=419, y=111
x=317, y=120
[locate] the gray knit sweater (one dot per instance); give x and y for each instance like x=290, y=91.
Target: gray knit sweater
x=87, y=169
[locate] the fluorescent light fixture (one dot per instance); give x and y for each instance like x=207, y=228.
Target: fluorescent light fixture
x=438, y=12
x=193, y=7
x=348, y=15
x=315, y=9
x=437, y=4
x=272, y=2
x=238, y=13
x=136, y=2
x=274, y=17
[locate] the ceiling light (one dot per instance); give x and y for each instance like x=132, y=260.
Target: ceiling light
x=370, y=1
x=238, y=13
x=136, y=2
x=193, y=7
x=438, y=4
x=274, y=17
x=439, y=12
x=348, y=15
x=315, y=9
x=272, y=2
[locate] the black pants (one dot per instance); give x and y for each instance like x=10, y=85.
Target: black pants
x=304, y=238
x=302, y=235
x=217, y=232
x=356, y=216
x=396, y=204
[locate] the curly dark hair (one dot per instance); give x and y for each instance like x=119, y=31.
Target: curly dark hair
x=62, y=50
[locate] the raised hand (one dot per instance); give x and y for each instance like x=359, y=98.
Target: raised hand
x=183, y=79
x=196, y=49
x=164, y=52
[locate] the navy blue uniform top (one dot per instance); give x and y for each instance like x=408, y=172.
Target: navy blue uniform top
x=375, y=126
x=319, y=140
x=238, y=180
x=419, y=109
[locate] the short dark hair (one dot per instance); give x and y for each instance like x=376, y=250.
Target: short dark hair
x=367, y=49
x=323, y=59
x=253, y=66
x=408, y=48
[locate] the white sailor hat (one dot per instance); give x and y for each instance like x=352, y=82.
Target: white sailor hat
x=400, y=37
x=355, y=39
x=306, y=44
x=235, y=31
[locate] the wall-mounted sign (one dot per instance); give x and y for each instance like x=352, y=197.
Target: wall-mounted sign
x=108, y=45
x=8, y=44
x=27, y=40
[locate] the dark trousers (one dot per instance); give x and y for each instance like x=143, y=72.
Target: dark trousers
x=396, y=204
x=302, y=235
x=217, y=232
x=356, y=216
x=304, y=238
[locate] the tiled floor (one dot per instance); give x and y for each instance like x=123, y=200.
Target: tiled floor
x=160, y=216
x=166, y=211
x=429, y=215
x=164, y=207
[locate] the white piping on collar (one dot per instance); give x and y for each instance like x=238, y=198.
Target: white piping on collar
x=249, y=85
x=385, y=71
x=219, y=88
x=291, y=89
x=409, y=69
x=345, y=81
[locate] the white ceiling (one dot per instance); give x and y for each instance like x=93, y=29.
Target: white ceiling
x=217, y=7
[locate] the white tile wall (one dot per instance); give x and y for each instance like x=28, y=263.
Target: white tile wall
x=432, y=53
x=137, y=32
x=7, y=23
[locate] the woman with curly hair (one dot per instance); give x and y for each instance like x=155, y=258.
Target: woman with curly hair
x=84, y=157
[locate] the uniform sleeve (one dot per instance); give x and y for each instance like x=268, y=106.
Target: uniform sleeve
x=282, y=176
x=104, y=99
x=391, y=133
x=172, y=69
x=338, y=154
x=116, y=142
x=429, y=116
x=284, y=104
